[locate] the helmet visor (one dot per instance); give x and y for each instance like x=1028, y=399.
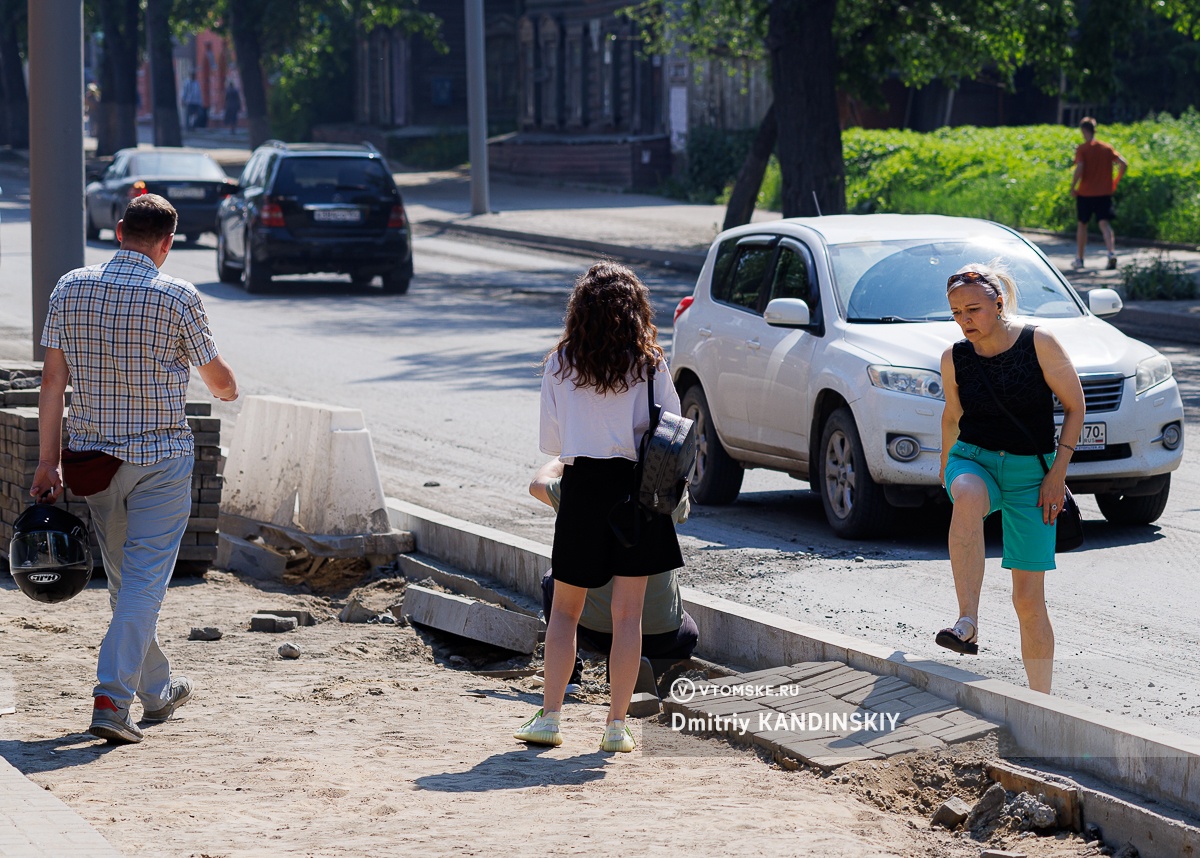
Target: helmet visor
x=47, y=549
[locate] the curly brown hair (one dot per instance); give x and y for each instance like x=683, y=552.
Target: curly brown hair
x=609, y=338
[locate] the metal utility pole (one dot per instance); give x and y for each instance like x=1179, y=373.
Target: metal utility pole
x=55, y=148
x=477, y=107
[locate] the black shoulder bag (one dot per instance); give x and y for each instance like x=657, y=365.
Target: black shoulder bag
x=1069, y=523
x=666, y=459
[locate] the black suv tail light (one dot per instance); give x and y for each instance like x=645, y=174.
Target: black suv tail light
x=270, y=214
x=397, y=219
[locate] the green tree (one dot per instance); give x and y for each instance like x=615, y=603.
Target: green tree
x=120, y=31
x=162, y=73
x=816, y=47
x=296, y=37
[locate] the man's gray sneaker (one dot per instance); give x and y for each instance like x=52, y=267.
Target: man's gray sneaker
x=112, y=723
x=181, y=693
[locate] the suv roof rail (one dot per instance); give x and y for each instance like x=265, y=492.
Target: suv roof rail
x=275, y=144
x=372, y=148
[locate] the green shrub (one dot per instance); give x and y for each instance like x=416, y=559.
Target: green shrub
x=713, y=159
x=1162, y=278
x=1021, y=176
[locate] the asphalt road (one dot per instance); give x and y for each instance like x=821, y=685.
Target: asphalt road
x=447, y=378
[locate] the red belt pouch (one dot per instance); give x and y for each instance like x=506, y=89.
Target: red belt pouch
x=88, y=472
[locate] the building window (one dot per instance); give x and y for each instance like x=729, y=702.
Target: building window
x=576, y=91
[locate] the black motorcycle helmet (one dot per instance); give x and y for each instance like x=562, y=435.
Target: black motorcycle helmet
x=49, y=556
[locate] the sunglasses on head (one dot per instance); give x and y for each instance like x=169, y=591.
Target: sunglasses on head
x=967, y=277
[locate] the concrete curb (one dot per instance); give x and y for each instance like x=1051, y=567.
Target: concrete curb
x=1148, y=761
x=680, y=260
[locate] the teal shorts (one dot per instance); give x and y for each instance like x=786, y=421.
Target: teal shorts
x=1013, y=484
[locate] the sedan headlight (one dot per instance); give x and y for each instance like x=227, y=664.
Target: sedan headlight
x=1151, y=371
x=918, y=382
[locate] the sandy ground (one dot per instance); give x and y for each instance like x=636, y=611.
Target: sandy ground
x=372, y=743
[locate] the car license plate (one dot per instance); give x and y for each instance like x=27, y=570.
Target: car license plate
x=1093, y=437
x=183, y=192
x=337, y=215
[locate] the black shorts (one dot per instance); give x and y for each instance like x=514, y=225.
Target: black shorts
x=1101, y=207
x=586, y=551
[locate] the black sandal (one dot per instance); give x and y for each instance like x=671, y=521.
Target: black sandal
x=956, y=639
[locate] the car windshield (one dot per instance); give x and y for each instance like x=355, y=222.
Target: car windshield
x=328, y=175
x=176, y=165
x=905, y=281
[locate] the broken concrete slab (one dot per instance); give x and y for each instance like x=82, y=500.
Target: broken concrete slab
x=471, y=619
x=303, y=618
x=272, y=623
x=235, y=554
x=208, y=633
x=356, y=612
x=418, y=568
x=951, y=814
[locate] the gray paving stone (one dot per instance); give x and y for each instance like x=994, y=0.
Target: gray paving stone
x=831, y=679
x=885, y=699
x=865, y=680
x=34, y=823
x=966, y=732
x=808, y=669
x=885, y=688
x=925, y=742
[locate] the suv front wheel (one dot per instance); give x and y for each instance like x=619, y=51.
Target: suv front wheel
x=1123, y=509
x=854, y=503
x=718, y=477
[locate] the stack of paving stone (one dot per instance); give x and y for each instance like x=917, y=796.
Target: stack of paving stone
x=19, y=458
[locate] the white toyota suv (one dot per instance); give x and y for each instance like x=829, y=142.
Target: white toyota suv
x=812, y=346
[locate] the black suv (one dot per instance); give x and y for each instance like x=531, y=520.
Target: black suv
x=302, y=208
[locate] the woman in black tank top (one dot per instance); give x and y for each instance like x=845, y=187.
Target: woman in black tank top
x=997, y=426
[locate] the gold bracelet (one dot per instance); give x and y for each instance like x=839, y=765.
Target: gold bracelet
x=1068, y=446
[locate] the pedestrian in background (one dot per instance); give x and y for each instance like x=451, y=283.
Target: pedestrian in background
x=124, y=336
x=233, y=106
x=1000, y=381
x=193, y=101
x=1093, y=186
x=594, y=412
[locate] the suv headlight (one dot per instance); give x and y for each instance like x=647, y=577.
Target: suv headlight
x=918, y=382
x=1151, y=371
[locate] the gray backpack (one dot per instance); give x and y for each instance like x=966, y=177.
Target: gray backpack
x=667, y=457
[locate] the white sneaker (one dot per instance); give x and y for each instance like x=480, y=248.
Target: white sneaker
x=1077, y=263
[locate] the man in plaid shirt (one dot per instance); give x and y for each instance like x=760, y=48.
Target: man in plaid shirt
x=125, y=337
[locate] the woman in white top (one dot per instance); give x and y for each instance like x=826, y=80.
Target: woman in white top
x=594, y=414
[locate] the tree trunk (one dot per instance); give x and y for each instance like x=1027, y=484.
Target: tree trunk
x=118, y=76
x=245, y=27
x=162, y=74
x=12, y=84
x=749, y=178
x=804, y=68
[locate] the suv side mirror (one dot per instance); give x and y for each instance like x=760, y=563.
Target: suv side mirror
x=1104, y=302
x=787, y=313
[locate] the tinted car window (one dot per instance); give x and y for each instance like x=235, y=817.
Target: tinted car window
x=721, y=268
x=252, y=171
x=746, y=281
x=176, y=165
x=327, y=176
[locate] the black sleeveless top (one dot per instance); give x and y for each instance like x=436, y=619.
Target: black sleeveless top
x=1017, y=379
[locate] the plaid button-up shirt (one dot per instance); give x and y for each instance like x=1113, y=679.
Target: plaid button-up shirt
x=129, y=334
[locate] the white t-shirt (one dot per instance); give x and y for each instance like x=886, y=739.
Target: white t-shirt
x=579, y=421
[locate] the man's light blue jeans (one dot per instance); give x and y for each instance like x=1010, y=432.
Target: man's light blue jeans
x=140, y=519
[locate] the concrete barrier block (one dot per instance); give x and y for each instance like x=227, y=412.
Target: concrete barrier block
x=235, y=554
x=304, y=465
x=471, y=619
